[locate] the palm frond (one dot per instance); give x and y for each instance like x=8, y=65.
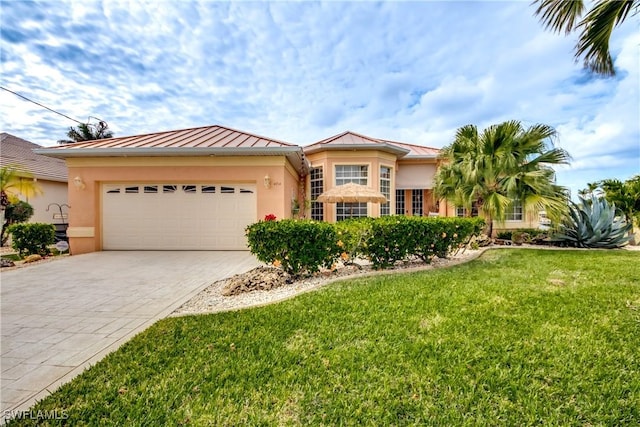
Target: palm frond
x=559, y=15
x=597, y=26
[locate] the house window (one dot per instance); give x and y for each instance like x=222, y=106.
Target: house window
x=399, y=202
x=151, y=189
x=358, y=174
x=317, y=188
x=416, y=202
x=190, y=189
x=514, y=211
x=385, y=189
x=462, y=212
x=350, y=210
x=351, y=173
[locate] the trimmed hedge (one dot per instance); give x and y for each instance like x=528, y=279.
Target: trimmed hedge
x=296, y=245
x=352, y=236
x=32, y=238
x=305, y=246
x=399, y=238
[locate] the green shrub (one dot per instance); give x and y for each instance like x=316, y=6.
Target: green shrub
x=388, y=241
x=533, y=235
x=15, y=213
x=504, y=235
x=352, y=235
x=299, y=246
x=32, y=238
x=397, y=238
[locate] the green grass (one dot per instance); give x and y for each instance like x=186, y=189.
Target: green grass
x=517, y=337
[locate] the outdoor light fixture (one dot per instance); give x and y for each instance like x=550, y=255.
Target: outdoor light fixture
x=79, y=183
x=267, y=181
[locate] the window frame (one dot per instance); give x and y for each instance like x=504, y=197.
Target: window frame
x=400, y=202
x=417, y=194
x=316, y=187
x=362, y=178
x=514, y=210
x=385, y=189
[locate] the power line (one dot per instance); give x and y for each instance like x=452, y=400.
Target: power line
x=43, y=106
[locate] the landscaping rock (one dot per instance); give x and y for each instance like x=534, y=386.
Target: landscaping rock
x=6, y=263
x=258, y=279
x=481, y=241
x=32, y=258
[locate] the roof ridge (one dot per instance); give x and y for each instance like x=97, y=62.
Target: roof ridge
x=408, y=143
x=189, y=129
x=347, y=132
x=12, y=139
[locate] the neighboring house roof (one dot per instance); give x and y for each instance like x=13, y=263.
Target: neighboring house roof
x=16, y=151
x=201, y=141
x=353, y=141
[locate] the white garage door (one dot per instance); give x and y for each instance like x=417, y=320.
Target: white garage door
x=171, y=216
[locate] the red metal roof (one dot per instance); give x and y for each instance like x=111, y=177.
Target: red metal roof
x=201, y=137
x=416, y=150
x=348, y=139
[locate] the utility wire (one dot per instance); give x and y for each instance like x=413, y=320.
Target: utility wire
x=43, y=106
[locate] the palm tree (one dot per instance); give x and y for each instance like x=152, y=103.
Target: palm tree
x=626, y=196
x=595, y=28
x=500, y=165
x=592, y=188
x=85, y=133
x=15, y=181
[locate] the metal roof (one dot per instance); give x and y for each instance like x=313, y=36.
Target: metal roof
x=416, y=151
x=201, y=141
x=354, y=141
x=16, y=151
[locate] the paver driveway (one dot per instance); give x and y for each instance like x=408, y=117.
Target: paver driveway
x=60, y=317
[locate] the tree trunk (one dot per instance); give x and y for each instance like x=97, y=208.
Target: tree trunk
x=489, y=227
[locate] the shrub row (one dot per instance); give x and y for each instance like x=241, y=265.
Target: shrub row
x=301, y=246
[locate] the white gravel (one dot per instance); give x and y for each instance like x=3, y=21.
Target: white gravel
x=211, y=300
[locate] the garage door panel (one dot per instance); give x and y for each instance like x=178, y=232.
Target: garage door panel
x=173, y=216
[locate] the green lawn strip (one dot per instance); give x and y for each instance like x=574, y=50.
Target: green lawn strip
x=517, y=337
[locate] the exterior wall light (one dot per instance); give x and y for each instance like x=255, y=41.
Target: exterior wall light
x=79, y=183
x=267, y=181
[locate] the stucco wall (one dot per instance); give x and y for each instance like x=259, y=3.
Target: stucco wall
x=85, y=215
x=52, y=192
x=373, y=159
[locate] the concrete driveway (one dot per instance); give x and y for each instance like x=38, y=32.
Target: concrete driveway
x=60, y=317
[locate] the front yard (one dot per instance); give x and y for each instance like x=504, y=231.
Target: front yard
x=517, y=337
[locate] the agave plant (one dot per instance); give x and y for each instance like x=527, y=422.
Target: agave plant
x=593, y=223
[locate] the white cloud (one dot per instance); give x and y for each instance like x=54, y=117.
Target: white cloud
x=409, y=71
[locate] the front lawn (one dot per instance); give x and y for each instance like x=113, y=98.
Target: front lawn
x=517, y=337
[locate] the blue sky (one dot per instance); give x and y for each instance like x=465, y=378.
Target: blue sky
x=303, y=71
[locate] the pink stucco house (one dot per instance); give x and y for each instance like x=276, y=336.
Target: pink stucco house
x=197, y=189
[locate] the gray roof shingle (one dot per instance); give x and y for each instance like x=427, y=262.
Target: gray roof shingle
x=16, y=151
